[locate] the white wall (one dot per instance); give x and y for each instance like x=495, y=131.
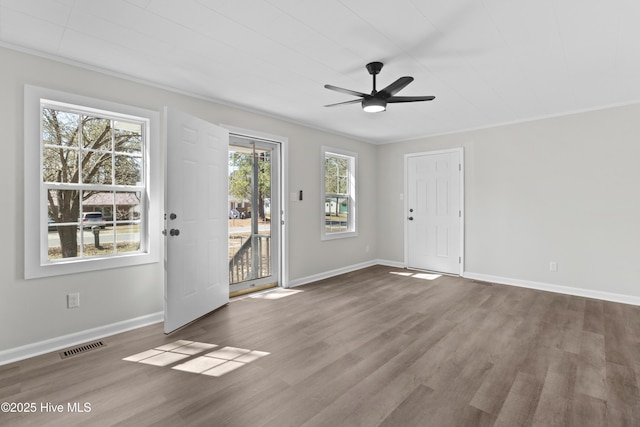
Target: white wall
x=34, y=311
x=561, y=189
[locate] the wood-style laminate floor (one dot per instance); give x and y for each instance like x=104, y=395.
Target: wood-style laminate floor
x=368, y=348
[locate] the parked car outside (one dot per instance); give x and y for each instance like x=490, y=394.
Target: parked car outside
x=233, y=214
x=89, y=219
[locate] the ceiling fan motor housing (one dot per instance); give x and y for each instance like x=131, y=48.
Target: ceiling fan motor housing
x=374, y=67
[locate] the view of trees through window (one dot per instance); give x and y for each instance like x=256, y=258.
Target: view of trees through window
x=337, y=193
x=93, y=174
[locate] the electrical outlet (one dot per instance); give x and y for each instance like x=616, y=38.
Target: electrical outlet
x=73, y=300
x=553, y=266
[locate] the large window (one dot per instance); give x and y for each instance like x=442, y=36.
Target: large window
x=90, y=207
x=338, y=193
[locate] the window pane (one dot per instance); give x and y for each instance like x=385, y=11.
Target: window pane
x=128, y=170
x=96, y=133
x=128, y=137
x=63, y=242
x=63, y=208
x=59, y=127
x=100, y=202
x=60, y=165
x=128, y=237
x=128, y=206
x=336, y=214
x=97, y=241
x=336, y=175
x=96, y=168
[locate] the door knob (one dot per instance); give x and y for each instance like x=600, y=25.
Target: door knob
x=174, y=232
x=173, y=216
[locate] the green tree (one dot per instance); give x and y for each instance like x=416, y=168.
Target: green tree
x=241, y=177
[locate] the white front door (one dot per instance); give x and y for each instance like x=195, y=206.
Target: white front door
x=196, y=260
x=434, y=211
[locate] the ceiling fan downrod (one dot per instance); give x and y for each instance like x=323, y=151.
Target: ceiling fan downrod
x=374, y=69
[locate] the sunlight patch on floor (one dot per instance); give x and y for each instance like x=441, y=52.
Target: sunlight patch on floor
x=276, y=294
x=215, y=363
x=426, y=276
x=423, y=276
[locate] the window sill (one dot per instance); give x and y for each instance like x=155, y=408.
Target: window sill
x=339, y=235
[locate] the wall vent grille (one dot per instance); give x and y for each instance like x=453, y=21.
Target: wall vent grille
x=81, y=349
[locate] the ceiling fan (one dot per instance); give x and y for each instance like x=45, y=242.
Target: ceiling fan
x=377, y=101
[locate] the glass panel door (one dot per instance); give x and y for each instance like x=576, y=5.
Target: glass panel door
x=254, y=214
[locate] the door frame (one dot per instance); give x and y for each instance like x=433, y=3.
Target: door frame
x=283, y=232
x=460, y=151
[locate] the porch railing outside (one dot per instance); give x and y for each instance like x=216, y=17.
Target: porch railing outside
x=245, y=266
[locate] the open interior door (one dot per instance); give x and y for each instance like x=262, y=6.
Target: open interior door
x=196, y=210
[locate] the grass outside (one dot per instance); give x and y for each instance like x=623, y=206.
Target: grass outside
x=91, y=250
x=55, y=252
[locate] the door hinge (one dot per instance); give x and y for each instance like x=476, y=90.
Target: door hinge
x=460, y=167
x=459, y=260
x=459, y=214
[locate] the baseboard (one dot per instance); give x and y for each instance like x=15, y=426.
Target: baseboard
x=567, y=290
x=58, y=343
x=332, y=273
x=387, y=263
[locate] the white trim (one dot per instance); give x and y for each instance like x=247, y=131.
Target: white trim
x=460, y=151
x=36, y=211
x=559, y=289
x=352, y=226
x=47, y=346
x=332, y=273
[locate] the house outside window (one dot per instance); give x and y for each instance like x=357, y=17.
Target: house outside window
x=338, y=195
x=92, y=192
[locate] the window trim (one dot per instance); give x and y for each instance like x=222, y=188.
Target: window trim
x=35, y=211
x=352, y=226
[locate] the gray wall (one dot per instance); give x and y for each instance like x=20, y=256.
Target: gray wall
x=563, y=189
x=35, y=310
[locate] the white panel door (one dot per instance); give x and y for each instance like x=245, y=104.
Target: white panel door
x=196, y=263
x=434, y=212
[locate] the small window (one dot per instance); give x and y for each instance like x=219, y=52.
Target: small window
x=88, y=181
x=338, y=194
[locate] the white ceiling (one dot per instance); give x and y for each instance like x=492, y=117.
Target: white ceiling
x=487, y=61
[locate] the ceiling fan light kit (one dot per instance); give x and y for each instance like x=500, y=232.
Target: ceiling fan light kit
x=374, y=105
x=377, y=100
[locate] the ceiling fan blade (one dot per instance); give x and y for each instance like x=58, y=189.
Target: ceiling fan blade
x=395, y=87
x=410, y=98
x=353, y=101
x=347, y=91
